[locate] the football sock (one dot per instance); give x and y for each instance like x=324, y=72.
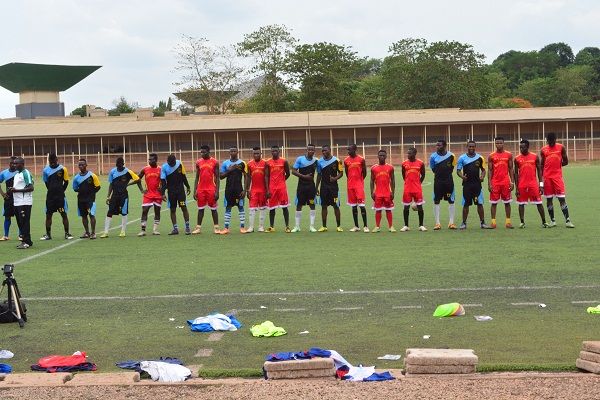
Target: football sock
x=451, y=213
x=406, y=213
x=436, y=213
x=227, y=218
x=156, y=223
x=123, y=222
x=355, y=215
x=175, y=227
x=313, y=214
x=261, y=217
x=421, y=216
x=272, y=217
x=242, y=216
x=363, y=213
x=187, y=225
x=143, y=224
x=565, y=210
x=107, y=223
x=251, y=216
x=6, y=226
x=388, y=215
x=378, y=218
x=298, y=218
x=551, y=212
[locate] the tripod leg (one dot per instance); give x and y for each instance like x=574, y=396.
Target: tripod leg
x=17, y=307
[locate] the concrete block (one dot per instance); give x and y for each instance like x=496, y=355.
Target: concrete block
x=302, y=373
x=293, y=365
x=440, y=357
x=593, y=346
x=104, y=379
x=587, y=356
x=439, y=369
x=36, y=379
x=588, y=366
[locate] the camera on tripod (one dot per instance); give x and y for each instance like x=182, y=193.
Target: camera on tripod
x=13, y=310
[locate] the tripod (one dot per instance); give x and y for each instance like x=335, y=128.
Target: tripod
x=15, y=307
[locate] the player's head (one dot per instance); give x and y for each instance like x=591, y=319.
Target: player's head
x=326, y=150
x=19, y=164
x=499, y=141
x=171, y=160
x=205, y=151
x=275, y=152
x=256, y=153
x=381, y=156
x=152, y=160
x=11, y=163
x=524, y=146
x=412, y=153
x=310, y=150
x=441, y=146
x=471, y=146
x=352, y=150
x=233, y=152
x=82, y=164
x=120, y=163
x=52, y=160
x=551, y=138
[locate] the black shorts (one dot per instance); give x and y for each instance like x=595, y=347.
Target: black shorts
x=86, y=207
x=305, y=195
x=329, y=196
x=472, y=194
x=56, y=204
x=232, y=199
x=443, y=190
x=9, y=207
x=118, y=205
x=176, y=199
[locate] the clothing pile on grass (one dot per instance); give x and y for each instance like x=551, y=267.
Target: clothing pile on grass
x=73, y=363
x=344, y=370
x=267, y=329
x=164, y=369
x=214, y=322
x=6, y=368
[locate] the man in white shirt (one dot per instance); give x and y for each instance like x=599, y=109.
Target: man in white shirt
x=22, y=191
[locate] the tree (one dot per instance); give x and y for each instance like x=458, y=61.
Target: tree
x=567, y=86
x=121, y=106
x=81, y=111
x=327, y=73
x=588, y=56
x=212, y=70
x=562, y=52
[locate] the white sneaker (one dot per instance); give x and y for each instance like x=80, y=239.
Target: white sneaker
x=296, y=229
x=405, y=229
x=156, y=233
x=249, y=230
x=354, y=229
x=142, y=233
x=422, y=228
x=366, y=229
x=261, y=228
x=312, y=229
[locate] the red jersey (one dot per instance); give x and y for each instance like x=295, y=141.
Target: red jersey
x=412, y=175
x=553, y=161
x=499, y=162
x=206, y=179
x=354, y=167
x=257, y=174
x=276, y=173
x=152, y=179
x=527, y=170
x=383, y=179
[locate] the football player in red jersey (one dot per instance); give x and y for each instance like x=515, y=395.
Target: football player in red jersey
x=383, y=186
x=276, y=173
x=152, y=194
x=500, y=185
x=553, y=158
x=528, y=175
x=355, y=168
x=206, y=188
x=413, y=173
x=256, y=190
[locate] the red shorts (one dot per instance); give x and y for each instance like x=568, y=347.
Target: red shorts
x=278, y=199
x=383, y=203
x=258, y=200
x=356, y=196
x=500, y=192
x=206, y=199
x=413, y=195
x=152, y=199
x=529, y=194
x=554, y=187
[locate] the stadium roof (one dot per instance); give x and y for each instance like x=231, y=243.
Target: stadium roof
x=23, y=77
x=131, y=125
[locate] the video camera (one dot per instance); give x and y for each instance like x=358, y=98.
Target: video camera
x=8, y=269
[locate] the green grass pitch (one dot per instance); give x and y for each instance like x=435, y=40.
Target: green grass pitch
x=364, y=295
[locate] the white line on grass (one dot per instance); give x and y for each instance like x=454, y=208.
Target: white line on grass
x=586, y=302
x=473, y=305
x=525, y=304
x=345, y=308
x=405, y=307
x=290, y=309
x=319, y=293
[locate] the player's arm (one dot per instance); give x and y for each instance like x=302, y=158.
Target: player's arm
x=515, y=176
x=565, y=157
x=109, y=194
x=286, y=169
x=422, y=172
x=45, y=177
x=403, y=172
x=490, y=172
x=139, y=182
x=372, y=185
x=319, y=178
x=542, y=162
x=196, y=179
x=364, y=168
x=346, y=168
x=340, y=173
x=217, y=181
x=267, y=178
x=223, y=171
x=186, y=184
x=511, y=169
x=96, y=182
x=482, y=169
x=459, y=170
x=245, y=175
x=393, y=183
x=2, y=193
x=65, y=179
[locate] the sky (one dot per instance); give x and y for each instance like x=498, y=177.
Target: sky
x=133, y=40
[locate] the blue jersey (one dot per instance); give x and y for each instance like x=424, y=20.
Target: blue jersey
x=442, y=166
x=233, y=181
x=305, y=166
x=471, y=167
x=329, y=168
